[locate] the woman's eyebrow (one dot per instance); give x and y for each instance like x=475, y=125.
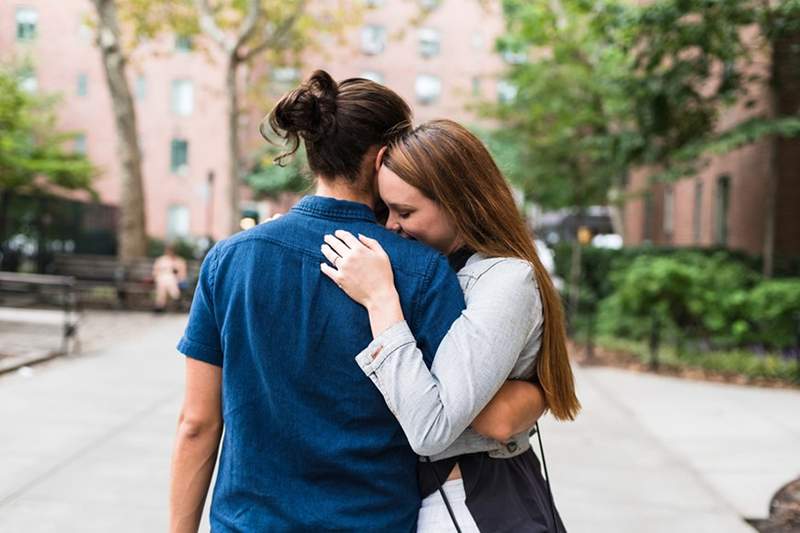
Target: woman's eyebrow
x=404, y=207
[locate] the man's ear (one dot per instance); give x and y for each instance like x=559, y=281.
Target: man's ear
x=379, y=158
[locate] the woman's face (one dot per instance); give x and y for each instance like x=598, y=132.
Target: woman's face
x=414, y=215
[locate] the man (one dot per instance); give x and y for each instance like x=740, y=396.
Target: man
x=309, y=444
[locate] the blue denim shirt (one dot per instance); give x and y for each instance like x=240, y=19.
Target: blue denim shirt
x=309, y=443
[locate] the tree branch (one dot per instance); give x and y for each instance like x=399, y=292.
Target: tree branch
x=249, y=24
x=210, y=27
x=278, y=35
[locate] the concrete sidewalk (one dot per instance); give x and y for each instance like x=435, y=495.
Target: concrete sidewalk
x=86, y=441
x=660, y=454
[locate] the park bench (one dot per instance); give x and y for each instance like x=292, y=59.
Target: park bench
x=104, y=281
x=41, y=300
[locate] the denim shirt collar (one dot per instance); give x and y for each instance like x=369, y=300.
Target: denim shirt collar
x=325, y=207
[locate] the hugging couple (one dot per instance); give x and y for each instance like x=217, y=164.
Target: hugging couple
x=377, y=358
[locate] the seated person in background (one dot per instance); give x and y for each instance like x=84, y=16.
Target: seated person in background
x=169, y=275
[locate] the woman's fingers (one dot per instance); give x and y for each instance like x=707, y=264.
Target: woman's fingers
x=347, y=238
x=329, y=271
x=338, y=246
x=370, y=243
x=330, y=254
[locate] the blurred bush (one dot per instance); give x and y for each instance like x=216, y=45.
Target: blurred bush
x=701, y=300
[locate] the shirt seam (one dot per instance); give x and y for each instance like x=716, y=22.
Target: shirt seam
x=306, y=252
x=327, y=213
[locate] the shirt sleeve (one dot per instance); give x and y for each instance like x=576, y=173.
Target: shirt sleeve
x=201, y=339
x=472, y=362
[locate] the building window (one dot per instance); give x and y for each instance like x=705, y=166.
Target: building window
x=648, y=217
x=84, y=30
x=83, y=84
x=429, y=42
x=669, y=206
x=476, y=86
x=514, y=58
x=476, y=40
x=371, y=75
x=28, y=81
x=27, y=19
x=506, y=91
x=182, y=97
x=697, y=223
x=285, y=75
x=179, y=156
x=80, y=144
x=140, y=88
x=428, y=88
x=429, y=4
x=373, y=39
x=721, y=210
x=283, y=79
x=177, y=221
x=183, y=43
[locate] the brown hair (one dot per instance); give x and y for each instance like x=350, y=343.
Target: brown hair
x=338, y=122
x=453, y=168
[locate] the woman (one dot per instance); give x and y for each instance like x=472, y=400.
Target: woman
x=442, y=187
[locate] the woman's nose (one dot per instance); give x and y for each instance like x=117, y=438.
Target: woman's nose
x=392, y=224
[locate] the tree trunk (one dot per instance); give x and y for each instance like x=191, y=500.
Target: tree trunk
x=575, y=274
x=131, y=229
x=771, y=191
x=233, y=144
x=590, y=331
x=654, y=341
x=5, y=202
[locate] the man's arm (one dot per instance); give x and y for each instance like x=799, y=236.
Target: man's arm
x=515, y=408
x=196, y=445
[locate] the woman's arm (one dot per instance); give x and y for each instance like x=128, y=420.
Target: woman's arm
x=473, y=361
x=515, y=408
x=196, y=444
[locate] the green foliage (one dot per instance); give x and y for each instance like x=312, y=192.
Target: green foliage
x=774, y=310
x=32, y=153
x=710, y=297
x=563, y=121
x=693, y=60
x=610, y=85
x=270, y=179
x=183, y=248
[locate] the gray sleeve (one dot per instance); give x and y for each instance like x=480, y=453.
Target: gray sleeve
x=473, y=361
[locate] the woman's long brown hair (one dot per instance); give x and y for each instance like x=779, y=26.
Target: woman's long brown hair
x=453, y=168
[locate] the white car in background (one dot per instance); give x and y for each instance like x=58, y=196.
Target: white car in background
x=549, y=262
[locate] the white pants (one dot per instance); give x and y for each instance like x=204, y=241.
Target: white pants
x=433, y=515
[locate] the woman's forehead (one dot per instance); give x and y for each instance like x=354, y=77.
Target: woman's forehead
x=394, y=189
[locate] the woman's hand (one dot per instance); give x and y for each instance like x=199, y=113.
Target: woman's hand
x=362, y=269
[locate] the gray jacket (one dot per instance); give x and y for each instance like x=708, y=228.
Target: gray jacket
x=497, y=337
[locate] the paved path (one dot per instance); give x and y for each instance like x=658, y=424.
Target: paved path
x=658, y=454
x=85, y=445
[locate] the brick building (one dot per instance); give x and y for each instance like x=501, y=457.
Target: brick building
x=725, y=204
x=439, y=66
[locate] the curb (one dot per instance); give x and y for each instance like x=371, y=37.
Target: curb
x=15, y=363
